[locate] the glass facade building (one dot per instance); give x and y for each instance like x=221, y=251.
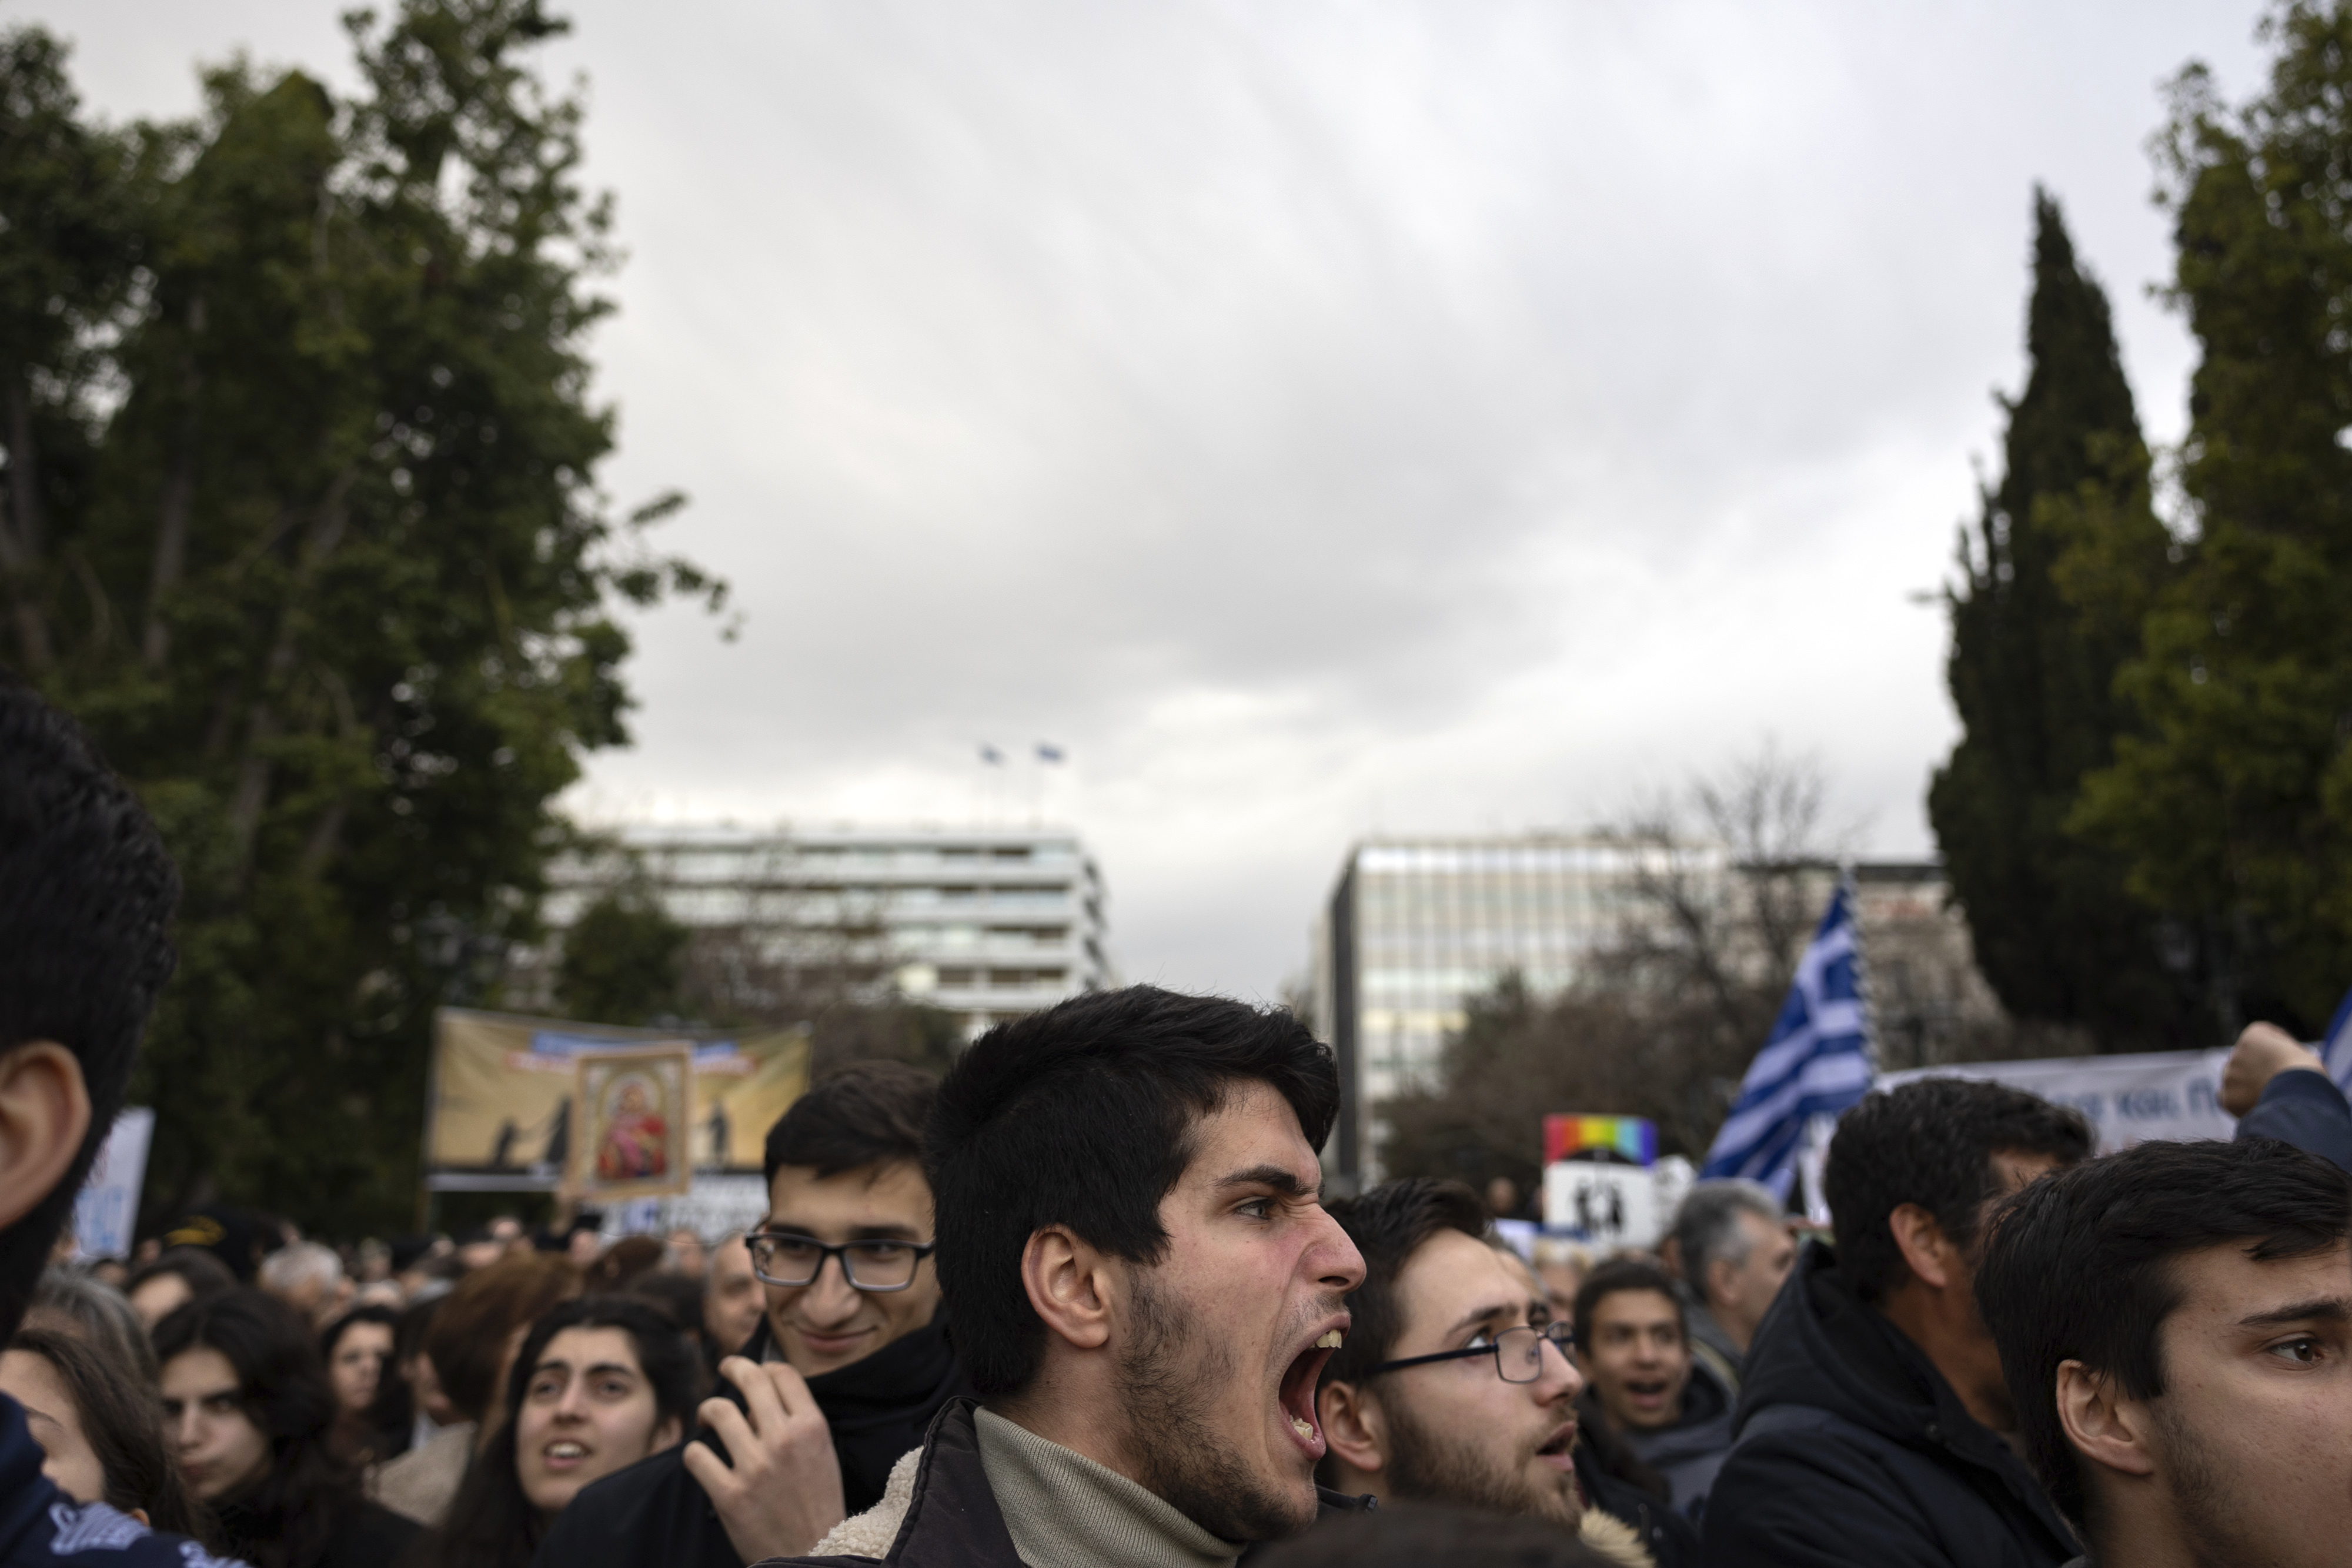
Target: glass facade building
x=1415, y=927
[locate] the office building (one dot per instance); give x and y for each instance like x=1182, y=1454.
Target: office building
x=986, y=922
x=1415, y=927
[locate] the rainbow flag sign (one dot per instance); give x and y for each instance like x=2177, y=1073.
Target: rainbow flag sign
x=1635, y=1137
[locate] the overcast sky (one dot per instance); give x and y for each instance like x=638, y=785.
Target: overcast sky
x=1317, y=418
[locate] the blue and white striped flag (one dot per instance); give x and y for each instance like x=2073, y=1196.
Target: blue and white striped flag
x=1816, y=1062
x=2334, y=1047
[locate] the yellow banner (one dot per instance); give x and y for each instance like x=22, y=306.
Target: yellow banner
x=506, y=1113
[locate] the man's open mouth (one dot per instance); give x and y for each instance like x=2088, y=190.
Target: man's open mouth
x=1296, y=1396
x=1645, y=1389
x=1558, y=1450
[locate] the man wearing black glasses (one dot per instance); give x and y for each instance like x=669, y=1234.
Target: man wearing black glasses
x=1455, y=1385
x=845, y=1372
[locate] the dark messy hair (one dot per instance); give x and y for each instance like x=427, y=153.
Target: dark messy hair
x=119, y=1416
x=1388, y=1225
x=1434, y=1535
x=870, y=1113
x=282, y=1382
x=1931, y=1143
x=492, y=1524
x=2079, y=1267
x=1083, y=1115
x=1615, y=1277
x=86, y=899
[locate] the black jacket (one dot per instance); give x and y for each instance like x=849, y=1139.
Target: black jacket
x=2307, y=1109
x=954, y=1521
x=1851, y=1449
x=655, y=1512
x=1614, y=1481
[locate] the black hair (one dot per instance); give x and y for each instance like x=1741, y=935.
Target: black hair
x=1433, y=1535
x=1388, y=1225
x=1614, y=1277
x=492, y=1524
x=870, y=1113
x=1931, y=1142
x=372, y=1312
x=125, y=1429
x=86, y=901
x=1083, y=1115
x=205, y=1274
x=285, y=1520
x=2077, y=1267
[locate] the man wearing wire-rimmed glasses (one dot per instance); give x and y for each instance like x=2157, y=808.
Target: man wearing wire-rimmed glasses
x=1455, y=1383
x=844, y=1372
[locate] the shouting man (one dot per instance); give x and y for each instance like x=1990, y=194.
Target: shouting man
x=1142, y=1284
x=1455, y=1383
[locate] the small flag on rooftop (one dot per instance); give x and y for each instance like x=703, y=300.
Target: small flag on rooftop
x=1815, y=1062
x=1048, y=753
x=2334, y=1047
x=991, y=755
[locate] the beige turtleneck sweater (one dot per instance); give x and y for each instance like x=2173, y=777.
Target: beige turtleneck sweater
x=1064, y=1511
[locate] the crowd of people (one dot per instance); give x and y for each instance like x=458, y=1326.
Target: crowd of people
x=1085, y=1300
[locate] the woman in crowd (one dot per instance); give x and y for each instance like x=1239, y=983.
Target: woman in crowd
x=599, y=1383
x=249, y=1411
x=99, y=1429
x=474, y=1336
x=182, y=1274
x=359, y=1348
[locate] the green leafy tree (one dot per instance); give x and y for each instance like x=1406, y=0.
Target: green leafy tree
x=2233, y=799
x=623, y=961
x=321, y=559
x=2032, y=674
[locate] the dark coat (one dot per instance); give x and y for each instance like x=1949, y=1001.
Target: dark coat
x=655, y=1512
x=954, y=1521
x=1690, y=1452
x=1852, y=1448
x=2304, y=1109
x=1614, y=1481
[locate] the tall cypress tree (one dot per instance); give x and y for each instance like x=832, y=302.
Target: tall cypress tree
x=2032, y=672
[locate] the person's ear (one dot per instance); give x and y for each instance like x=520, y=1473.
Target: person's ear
x=2104, y=1427
x=1068, y=1287
x=1716, y=1286
x=667, y=1435
x=1927, y=1251
x=1354, y=1426
x=44, y=1116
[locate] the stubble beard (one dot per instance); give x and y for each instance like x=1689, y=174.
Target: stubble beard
x=2212, y=1530
x=1164, y=1373
x=1426, y=1467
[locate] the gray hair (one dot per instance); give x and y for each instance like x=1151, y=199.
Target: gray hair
x=1706, y=1227
x=300, y=1263
x=67, y=1302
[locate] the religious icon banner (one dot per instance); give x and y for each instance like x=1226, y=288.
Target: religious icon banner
x=633, y=1108
x=505, y=1115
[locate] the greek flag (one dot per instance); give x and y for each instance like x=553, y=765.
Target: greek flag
x=1816, y=1063
x=2334, y=1047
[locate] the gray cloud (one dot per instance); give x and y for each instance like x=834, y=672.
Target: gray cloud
x=1317, y=417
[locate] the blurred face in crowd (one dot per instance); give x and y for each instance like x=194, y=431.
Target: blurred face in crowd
x=2246, y=1457
x=687, y=1254
x=425, y=1390
x=587, y=1412
x=221, y=1451
x=1455, y=1431
x=1638, y=1362
x=1218, y=1346
x=362, y=1352
x=159, y=1297
x=732, y=1301
x=828, y=1324
x=56, y=1424
x=1739, y=1295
